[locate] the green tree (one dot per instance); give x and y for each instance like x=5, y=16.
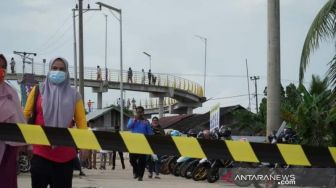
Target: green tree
x=249, y=121
x=316, y=118
x=323, y=28
x=311, y=112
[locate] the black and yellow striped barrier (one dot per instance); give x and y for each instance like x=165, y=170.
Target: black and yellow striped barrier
x=166, y=145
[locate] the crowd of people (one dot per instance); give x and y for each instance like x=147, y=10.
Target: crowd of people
x=152, y=79
x=54, y=103
x=138, y=124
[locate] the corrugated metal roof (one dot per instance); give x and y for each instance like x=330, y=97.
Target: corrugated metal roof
x=97, y=113
x=200, y=121
x=167, y=121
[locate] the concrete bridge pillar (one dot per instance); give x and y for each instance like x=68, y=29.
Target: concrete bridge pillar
x=189, y=110
x=100, y=90
x=99, y=100
x=160, y=106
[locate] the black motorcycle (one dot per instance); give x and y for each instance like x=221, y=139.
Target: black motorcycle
x=213, y=172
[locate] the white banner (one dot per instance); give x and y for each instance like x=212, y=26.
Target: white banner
x=214, y=116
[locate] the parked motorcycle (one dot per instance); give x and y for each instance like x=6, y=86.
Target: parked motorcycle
x=213, y=171
x=181, y=161
x=201, y=170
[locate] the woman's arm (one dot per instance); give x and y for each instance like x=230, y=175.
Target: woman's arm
x=80, y=117
x=28, y=110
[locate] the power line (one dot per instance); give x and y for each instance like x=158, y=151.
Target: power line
x=228, y=97
x=226, y=76
x=65, y=41
x=55, y=44
x=51, y=37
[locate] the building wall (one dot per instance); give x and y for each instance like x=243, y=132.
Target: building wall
x=108, y=121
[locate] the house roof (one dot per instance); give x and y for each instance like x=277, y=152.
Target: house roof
x=100, y=112
x=167, y=121
x=200, y=121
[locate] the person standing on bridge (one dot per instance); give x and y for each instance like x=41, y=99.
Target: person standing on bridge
x=10, y=112
x=143, y=76
x=149, y=77
x=12, y=64
x=139, y=124
x=55, y=103
x=99, y=73
x=130, y=75
x=154, y=79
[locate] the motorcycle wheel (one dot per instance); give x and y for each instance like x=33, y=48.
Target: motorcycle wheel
x=184, y=168
x=200, y=173
x=213, y=175
x=164, y=168
x=171, y=164
x=190, y=169
x=177, y=169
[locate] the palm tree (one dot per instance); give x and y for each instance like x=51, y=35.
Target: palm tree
x=311, y=112
x=318, y=86
x=316, y=117
x=322, y=28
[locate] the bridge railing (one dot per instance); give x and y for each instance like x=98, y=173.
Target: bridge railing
x=153, y=103
x=161, y=79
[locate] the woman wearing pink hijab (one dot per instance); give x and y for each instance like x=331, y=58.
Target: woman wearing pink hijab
x=10, y=112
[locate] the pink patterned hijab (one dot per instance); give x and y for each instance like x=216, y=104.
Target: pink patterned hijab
x=10, y=111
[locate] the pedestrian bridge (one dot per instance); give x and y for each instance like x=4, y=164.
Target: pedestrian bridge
x=187, y=94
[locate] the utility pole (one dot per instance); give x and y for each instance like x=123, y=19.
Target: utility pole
x=81, y=46
x=248, y=86
x=81, y=50
x=273, y=66
x=24, y=56
x=106, y=48
x=119, y=11
x=31, y=61
x=75, y=45
x=255, y=79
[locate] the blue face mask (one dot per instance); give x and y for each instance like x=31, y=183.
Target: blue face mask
x=56, y=77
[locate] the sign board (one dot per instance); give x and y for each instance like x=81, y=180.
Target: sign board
x=214, y=116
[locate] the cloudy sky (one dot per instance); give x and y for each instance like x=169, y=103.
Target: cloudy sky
x=236, y=30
